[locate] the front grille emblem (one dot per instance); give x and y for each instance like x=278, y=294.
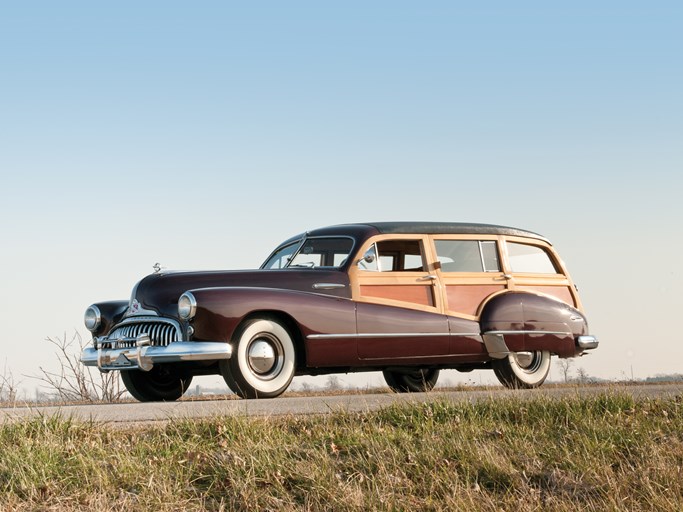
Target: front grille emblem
x=134, y=306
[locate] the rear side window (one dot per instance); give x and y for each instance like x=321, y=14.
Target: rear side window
x=400, y=256
x=395, y=256
x=467, y=255
x=530, y=259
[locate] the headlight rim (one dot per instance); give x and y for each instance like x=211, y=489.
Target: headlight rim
x=189, y=311
x=97, y=318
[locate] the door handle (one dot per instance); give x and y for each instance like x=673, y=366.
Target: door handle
x=506, y=277
x=427, y=278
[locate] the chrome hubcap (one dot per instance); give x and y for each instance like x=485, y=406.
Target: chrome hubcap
x=524, y=359
x=528, y=362
x=262, y=356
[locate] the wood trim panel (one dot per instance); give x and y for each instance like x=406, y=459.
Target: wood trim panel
x=465, y=299
x=412, y=294
x=559, y=292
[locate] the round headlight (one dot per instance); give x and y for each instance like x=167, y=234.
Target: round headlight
x=187, y=306
x=93, y=318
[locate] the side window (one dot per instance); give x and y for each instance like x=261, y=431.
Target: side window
x=467, y=255
x=395, y=256
x=530, y=259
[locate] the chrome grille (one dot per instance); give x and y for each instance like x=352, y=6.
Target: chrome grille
x=161, y=334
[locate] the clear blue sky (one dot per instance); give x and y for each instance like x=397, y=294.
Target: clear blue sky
x=202, y=134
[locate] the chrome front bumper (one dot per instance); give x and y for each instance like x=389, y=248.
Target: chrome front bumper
x=143, y=356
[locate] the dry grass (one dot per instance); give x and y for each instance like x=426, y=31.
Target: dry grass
x=609, y=452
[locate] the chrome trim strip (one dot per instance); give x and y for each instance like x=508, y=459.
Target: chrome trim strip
x=529, y=332
x=388, y=335
x=587, y=342
x=424, y=334
x=327, y=286
x=144, y=357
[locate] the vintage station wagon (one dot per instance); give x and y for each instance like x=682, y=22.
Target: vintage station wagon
x=405, y=298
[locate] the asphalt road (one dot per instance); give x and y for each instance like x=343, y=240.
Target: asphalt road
x=124, y=414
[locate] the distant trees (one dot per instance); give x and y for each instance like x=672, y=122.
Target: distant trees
x=8, y=387
x=565, y=367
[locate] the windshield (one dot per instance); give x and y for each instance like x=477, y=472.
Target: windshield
x=312, y=253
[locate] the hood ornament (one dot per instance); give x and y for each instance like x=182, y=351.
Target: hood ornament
x=157, y=267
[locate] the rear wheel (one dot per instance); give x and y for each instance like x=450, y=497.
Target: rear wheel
x=263, y=359
x=523, y=370
x=163, y=383
x=411, y=381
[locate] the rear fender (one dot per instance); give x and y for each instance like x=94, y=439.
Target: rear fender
x=542, y=322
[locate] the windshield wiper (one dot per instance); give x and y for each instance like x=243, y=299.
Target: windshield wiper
x=308, y=264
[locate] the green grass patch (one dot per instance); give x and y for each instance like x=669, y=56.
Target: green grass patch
x=609, y=452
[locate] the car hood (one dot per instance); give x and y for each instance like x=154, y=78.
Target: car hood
x=160, y=292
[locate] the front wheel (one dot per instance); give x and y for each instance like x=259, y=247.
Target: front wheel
x=411, y=381
x=163, y=383
x=523, y=370
x=263, y=359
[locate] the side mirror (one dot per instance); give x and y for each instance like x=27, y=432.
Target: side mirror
x=369, y=257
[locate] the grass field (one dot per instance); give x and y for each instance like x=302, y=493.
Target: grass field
x=610, y=452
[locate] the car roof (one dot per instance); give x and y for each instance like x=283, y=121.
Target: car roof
x=433, y=228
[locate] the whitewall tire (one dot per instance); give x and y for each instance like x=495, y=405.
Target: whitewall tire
x=263, y=360
x=523, y=370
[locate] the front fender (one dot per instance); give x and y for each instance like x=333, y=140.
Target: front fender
x=111, y=313
x=221, y=310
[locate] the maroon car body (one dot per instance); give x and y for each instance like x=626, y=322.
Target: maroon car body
x=408, y=299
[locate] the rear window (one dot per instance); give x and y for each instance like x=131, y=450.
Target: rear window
x=530, y=259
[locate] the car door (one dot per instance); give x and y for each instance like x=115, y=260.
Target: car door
x=471, y=273
x=399, y=311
